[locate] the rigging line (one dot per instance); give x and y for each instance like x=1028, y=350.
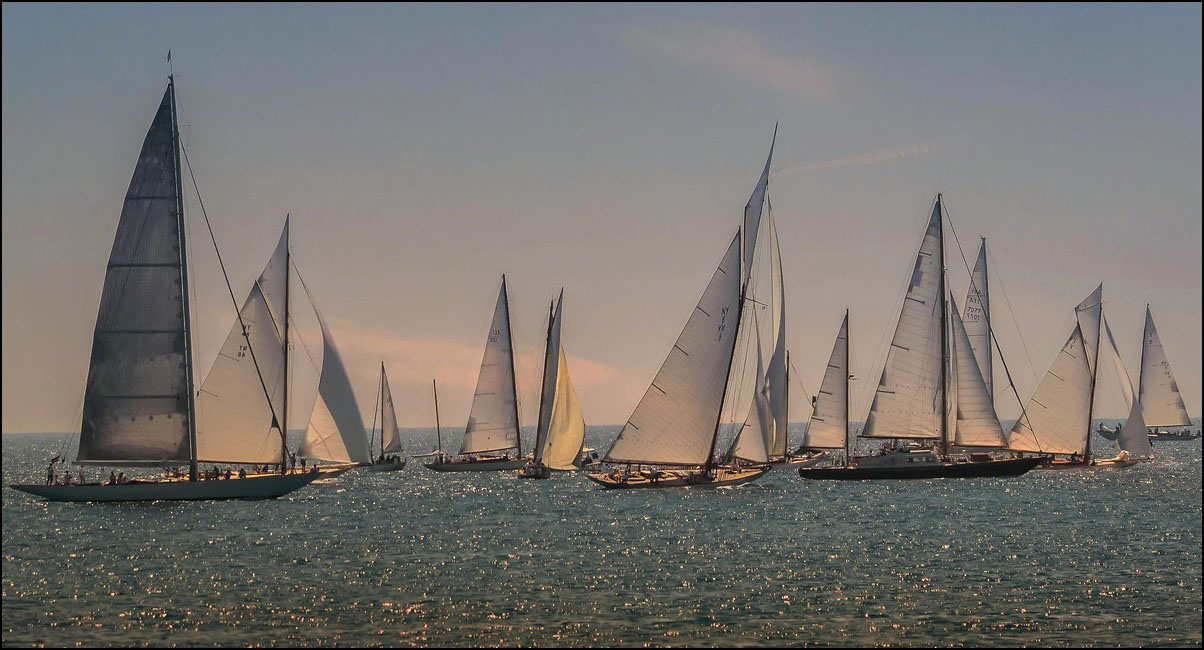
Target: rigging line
x=267, y=395
x=1012, y=312
x=1007, y=372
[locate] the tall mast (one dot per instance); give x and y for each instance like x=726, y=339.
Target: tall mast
x=728, y=377
x=183, y=237
x=1094, y=373
x=847, y=434
x=518, y=429
x=382, y=408
x=1145, y=335
x=438, y=434
x=944, y=333
x=786, y=433
x=543, y=380
x=284, y=406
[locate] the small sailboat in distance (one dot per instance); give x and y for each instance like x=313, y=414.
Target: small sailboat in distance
x=492, y=441
x=829, y=426
x=392, y=457
x=560, y=432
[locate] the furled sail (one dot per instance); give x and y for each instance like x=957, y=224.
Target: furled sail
x=1158, y=392
x=907, y=402
x=1057, y=418
x=136, y=402
x=1132, y=435
x=830, y=409
x=676, y=420
x=235, y=418
x=390, y=437
x=779, y=393
x=493, y=420
x=977, y=317
x=336, y=428
x=561, y=432
x=752, y=442
x=977, y=425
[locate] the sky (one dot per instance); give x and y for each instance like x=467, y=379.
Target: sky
x=424, y=150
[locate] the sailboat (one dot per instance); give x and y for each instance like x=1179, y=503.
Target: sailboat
x=391, y=457
x=1158, y=392
x=493, y=430
x=1056, y=421
x=560, y=433
x=676, y=424
x=829, y=426
x=930, y=361
x=140, y=407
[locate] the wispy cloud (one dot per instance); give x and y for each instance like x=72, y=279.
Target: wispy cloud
x=737, y=53
x=861, y=160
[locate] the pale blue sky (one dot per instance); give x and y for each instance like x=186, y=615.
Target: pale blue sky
x=423, y=150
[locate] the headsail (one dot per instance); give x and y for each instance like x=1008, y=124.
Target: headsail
x=1158, y=391
x=977, y=424
x=1132, y=435
x=336, y=428
x=753, y=209
x=752, y=442
x=493, y=420
x=977, y=317
x=1057, y=418
x=676, y=420
x=1089, y=312
x=830, y=410
x=779, y=393
x=390, y=437
x=561, y=433
x=235, y=418
x=907, y=402
x=137, y=403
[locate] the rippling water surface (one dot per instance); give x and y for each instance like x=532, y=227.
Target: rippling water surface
x=1092, y=557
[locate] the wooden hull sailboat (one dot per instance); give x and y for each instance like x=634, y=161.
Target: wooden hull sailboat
x=661, y=478
x=267, y=486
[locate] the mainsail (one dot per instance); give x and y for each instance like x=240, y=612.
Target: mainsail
x=1132, y=436
x=1158, y=391
x=560, y=435
x=236, y=420
x=336, y=428
x=138, y=403
x=977, y=425
x=752, y=442
x=389, y=436
x=493, y=419
x=977, y=317
x=676, y=421
x=907, y=402
x=753, y=210
x=830, y=410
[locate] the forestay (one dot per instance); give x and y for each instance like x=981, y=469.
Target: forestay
x=676, y=420
x=235, y=418
x=561, y=434
x=977, y=318
x=977, y=424
x=136, y=400
x=907, y=402
x=1158, y=393
x=1057, y=418
x=830, y=411
x=1132, y=436
x=493, y=419
x=336, y=428
x=390, y=437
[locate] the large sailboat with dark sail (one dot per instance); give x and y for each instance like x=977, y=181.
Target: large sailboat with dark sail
x=140, y=407
x=492, y=441
x=930, y=366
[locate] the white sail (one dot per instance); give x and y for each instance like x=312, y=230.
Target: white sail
x=136, y=400
x=977, y=425
x=907, y=402
x=1158, y=392
x=1132, y=435
x=1089, y=312
x=1057, y=418
x=977, y=317
x=753, y=210
x=752, y=442
x=830, y=409
x=676, y=420
x=562, y=431
x=235, y=422
x=336, y=429
x=779, y=393
x=389, y=435
x=493, y=420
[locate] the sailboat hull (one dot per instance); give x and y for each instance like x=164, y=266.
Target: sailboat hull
x=1175, y=435
x=677, y=478
x=489, y=465
x=392, y=466
x=252, y=487
x=993, y=468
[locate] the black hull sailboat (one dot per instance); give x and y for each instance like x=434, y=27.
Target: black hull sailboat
x=970, y=469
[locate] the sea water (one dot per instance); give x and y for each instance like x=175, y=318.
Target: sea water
x=1103, y=557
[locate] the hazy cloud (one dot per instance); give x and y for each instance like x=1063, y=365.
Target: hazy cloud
x=737, y=53
x=862, y=160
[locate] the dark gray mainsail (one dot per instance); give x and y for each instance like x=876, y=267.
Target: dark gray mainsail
x=138, y=399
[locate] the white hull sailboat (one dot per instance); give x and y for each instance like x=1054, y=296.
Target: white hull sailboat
x=493, y=426
x=140, y=404
x=560, y=432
